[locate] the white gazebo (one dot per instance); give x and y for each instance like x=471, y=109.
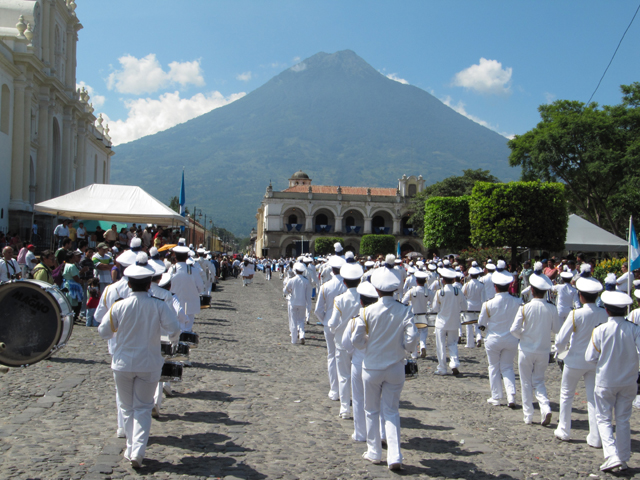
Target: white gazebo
x=585, y=236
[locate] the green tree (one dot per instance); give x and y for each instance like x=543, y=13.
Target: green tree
x=518, y=214
x=174, y=204
x=593, y=151
x=446, y=222
x=454, y=186
x=324, y=245
x=377, y=244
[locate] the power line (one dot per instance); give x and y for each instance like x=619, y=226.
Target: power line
x=614, y=54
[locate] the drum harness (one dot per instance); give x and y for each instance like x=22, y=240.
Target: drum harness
x=414, y=294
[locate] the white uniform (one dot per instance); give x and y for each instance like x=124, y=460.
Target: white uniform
x=448, y=302
x=298, y=292
x=419, y=297
x=313, y=278
x=489, y=289
x=614, y=349
x=385, y=331
x=186, y=284
x=408, y=284
x=324, y=306
x=208, y=273
x=137, y=361
x=566, y=299
x=497, y=316
x=634, y=317
x=345, y=307
x=475, y=293
x=577, y=330
x=533, y=325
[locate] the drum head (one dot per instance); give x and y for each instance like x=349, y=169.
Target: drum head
x=420, y=326
x=30, y=323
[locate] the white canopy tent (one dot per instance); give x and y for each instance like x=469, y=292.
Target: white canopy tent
x=585, y=236
x=117, y=203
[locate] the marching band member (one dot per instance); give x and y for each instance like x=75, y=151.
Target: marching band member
x=324, y=306
x=533, y=325
x=614, y=350
x=576, y=334
x=475, y=294
x=385, y=331
x=419, y=297
x=248, y=271
x=496, y=316
x=137, y=361
x=345, y=307
x=298, y=292
x=208, y=271
x=566, y=295
x=186, y=285
x=448, y=303
x=489, y=268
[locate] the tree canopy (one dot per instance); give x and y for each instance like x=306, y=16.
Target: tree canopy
x=446, y=222
x=377, y=244
x=594, y=151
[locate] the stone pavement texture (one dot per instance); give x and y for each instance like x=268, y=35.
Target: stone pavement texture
x=253, y=406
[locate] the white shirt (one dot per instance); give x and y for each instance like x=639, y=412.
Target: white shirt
x=61, y=231
x=30, y=260
x=489, y=289
x=186, y=284
x=299, y=291
x=138, y=321
x=475, y=293
x=567, y=299
x=577, y=330
x=614, y=349
x=448, y=302
x=247, y=270
x=533, y=325
x=408, y=283
x=498, y=313
x=385, y=331
x=7, y=269
x=313, y=274
x=622, y=283
x=419, y=298
x=345, y=307
x=328, y=292
x=634, y=316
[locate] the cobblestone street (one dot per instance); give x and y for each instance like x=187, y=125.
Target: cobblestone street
x=254, y=406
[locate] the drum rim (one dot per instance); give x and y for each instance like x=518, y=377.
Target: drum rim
x=40, y=286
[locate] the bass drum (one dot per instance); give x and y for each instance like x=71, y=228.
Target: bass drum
x=36, y=319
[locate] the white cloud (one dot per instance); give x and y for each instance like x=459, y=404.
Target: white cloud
x=148, y=116
x=299, y=67
x=549, y=97
x=97, y=100
x=395, y=77
x=145, y=75
x=244, y=77
x=296, y=59
x=460, y=108
x=487, y=77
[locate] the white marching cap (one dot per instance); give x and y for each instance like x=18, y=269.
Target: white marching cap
x=616, y=299
x=541, y=282
x=490, y=266
x=153, y=251
x=336, y=261
x=420, y=274
x=432, y=267
x=192, y=253
x=566, y=275
x=136, y=242
x=585, y=267
x=369, y=263
x=448, y=272
x=307, y=260
x=588, y=285
x=611, y=278
x=351, y=271
x=502, y=277
x=411, y=270
x=337, y=247
x=366, y=289
x=398, y=261
x=419, y=263
x=166, y=278
x=127, y=258
x=385, y=280
x=636, y=293
x=446, y=263
x=181, y=249
x=158, y=266
x=299, y=267
x=141, y=269
x=475, y=269
x=390, y=259
x=182, y=242
x=349, y=255
x=201, y=250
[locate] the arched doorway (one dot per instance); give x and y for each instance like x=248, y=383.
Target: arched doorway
x=381, y=222
x=324, y=221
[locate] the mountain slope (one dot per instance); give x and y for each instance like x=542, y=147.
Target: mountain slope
x=333, y=116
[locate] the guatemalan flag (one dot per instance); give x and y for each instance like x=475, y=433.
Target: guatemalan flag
x=634, y=251
x=182, y=200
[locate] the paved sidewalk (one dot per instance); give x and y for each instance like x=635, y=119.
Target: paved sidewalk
x=254, y=406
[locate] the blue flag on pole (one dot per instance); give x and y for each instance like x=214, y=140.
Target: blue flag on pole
x=634, y=251
x=398, y=254
x=182, y=200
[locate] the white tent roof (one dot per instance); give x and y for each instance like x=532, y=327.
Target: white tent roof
x=583, y=235
x=118, y=203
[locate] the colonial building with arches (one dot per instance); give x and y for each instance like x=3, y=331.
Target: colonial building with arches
x=50, y=140
x=290, y=221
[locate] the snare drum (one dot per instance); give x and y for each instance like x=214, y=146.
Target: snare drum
x=190, y=338
x=411, y=369
x=182, y=351
x=431, y=319
x=171, y=372
x=467, y=318
x=420, y=321
x=36, y=319
x=205, y=301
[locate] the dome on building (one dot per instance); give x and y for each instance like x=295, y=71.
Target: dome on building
x=299, y=175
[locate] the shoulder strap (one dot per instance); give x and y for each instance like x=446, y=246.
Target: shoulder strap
x=364, y=318
x=593, y=341
x=574, y=321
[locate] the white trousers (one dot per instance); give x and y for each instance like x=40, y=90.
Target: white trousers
x=532, y=367
x=473, y=335
x=157, y=398
x=620, y=399
x=188, y=327
x=343, y=367
x=570, y=379
x=331, y=363
x=267, y=274
x=500, y=355
x=296, y=322
x=359, y=418
x=207, y=288
x=119, y=409
x=447, y=339
x=136, y=391
x=382, y=389
x=424, y=333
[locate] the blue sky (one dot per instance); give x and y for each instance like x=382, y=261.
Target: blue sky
x=153, y=63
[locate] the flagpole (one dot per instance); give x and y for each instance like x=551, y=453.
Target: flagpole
x=629, y=257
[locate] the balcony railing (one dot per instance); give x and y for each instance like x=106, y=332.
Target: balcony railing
x=293, y=226
x=381, y=230
x=353, y=229
x=323, y=228
x=410, y=232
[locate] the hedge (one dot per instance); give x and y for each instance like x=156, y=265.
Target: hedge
x=377, y=244
x=324, y=245
x=446, y=222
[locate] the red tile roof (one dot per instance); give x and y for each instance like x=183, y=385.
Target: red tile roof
x=385, y=192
